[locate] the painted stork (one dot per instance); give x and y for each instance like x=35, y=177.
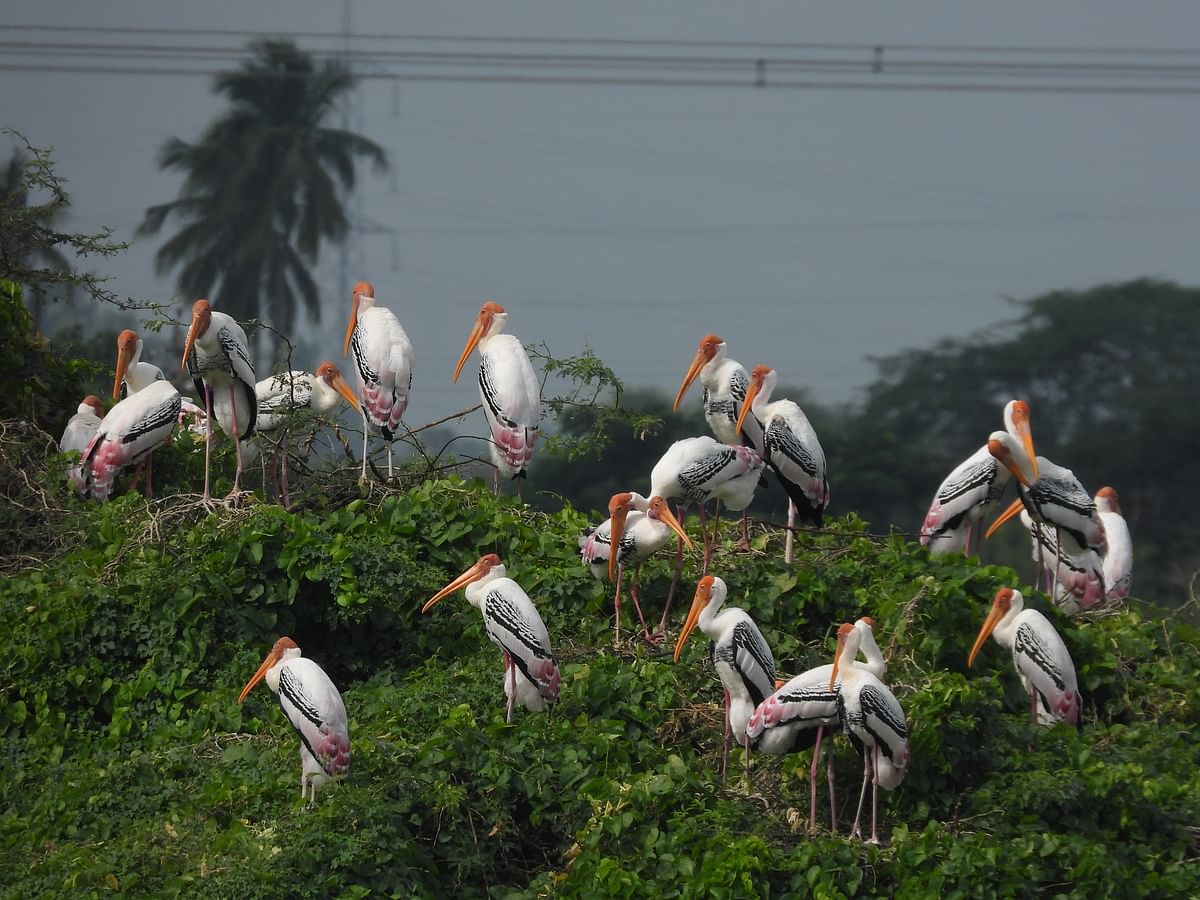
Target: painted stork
x=791, y=449
x=509, y=391
x=724, y=381
x=639, y=527
x=217, y=355
x=314, y=707
x=740, y=655
x=1118, y=557
x=699, y=469
x=130, y=431
x=281, y=396
x=80, y=430
x=803, y=710
x=383, y=356
x=1075, y=575
x=139, y=374
x=531, y=675
x=971, y=489
x=874, y=721
x=1040, y=656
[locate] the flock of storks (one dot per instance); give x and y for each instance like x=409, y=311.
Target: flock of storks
x=1081, y=542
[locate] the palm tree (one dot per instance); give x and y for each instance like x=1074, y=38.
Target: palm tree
x=28, y=238
x=263, y=187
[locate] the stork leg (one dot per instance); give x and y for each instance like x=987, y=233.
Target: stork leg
x=510, y=672
x=746, y=755
x=303, y=785
x=789, y=542
x=633, y=592
x=496, y=481
x=862, y=794
x=617, y=608
x=237, y=439
x=389, y=460
x=208, y=436
x=832, y=796
x=744, y=542
x=366, y=438
x=662, y=625
x=725, y=750
x=812, y=783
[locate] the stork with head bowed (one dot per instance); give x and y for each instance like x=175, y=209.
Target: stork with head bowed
x=791, y=449
x=638, y=528
x=1055, y=499
x=314, y=707
x=971, y=489
x=217, y=355
x=129, y=433
x=804, y=709
x=1040, y=656
x=740, y=654
x=697, y=470
x=874, y=721
x=1118, y=555
x=531, y=675
x=281, y=396
x=509, y=391
x=724, y=381
x=80, y=430
x=1074, y=575
x=134, y=374
x=383, y=357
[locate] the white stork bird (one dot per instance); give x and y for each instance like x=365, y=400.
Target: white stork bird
x=509, y=391
x=725, y=382
x=971, y=489
x=874, y=721
x=217, y=355
x=531, y=675
x=1040, y=656
x=138, y=373
x=1074, y=575
x=1118, y=557
x=282, y=396
x=314, y=707
x=740, y=655
x=383, y=356
x=130, y=431
x=803, y=710
x=791, y=449
x=699, y=469
x=80, y=430
x=639, y=528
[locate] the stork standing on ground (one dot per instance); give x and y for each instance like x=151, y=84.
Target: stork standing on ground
x=531, y=675
x=1039, y=655
x=509, y=391
x=803, y=710
x=740, y=654
x=638, y=528
x=217, y=355
x=314, y=707
x=791, y=449
x=971, y=489
x=383, y=357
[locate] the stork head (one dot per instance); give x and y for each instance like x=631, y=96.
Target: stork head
x=846, y=636
x=619, y=506
x=482, y=568
x=201, y=319
x=364, y=296
x=1017, y=423
x=91, y=401
x=659, y=509
x=710, y=589
x=282, y=650
x=1106, y=500
x=127, y=345
x=762, y=379
x=710, y=347
x=1003, y=602
x=490, y=321
x=332, y=376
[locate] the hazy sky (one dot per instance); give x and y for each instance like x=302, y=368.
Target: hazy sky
x=809, y=228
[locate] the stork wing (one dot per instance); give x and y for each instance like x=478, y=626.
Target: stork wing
x=314, y=707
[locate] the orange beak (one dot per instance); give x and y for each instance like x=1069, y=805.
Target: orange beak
x=482, y=324
x=271, y=660
x=837, y=657
x=338, y=383
x=353, y=324
x=619, y=513
x=751, y=393
x=989, y=624
x=124, y=356
x=1014, y=509
x=199, y=325
x=1025, y=434
x=699, y=601
x=474, y=573
x=667, y=517
x=701, y=360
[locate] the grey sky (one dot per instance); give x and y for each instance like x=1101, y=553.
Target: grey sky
x=810, y=229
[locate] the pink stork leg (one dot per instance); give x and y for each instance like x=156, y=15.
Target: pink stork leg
x=208, y=436
x=662, y=625
x=862, y=794
x=633, y=592
x=789, y=542
x=812, y=783
x=832, y=795
x=366, y=437
x=237, y=439
x=744, y=542
x=874, y=796
x=725, y=751
x=967, y=545
x=510, y=672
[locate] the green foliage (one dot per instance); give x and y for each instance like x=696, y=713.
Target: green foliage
x=131, y=768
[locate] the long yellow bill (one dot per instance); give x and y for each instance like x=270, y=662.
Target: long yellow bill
x=995, y=614
x=477, y=571
x=751, y=393
x=1014, y=509
x=699, y=602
